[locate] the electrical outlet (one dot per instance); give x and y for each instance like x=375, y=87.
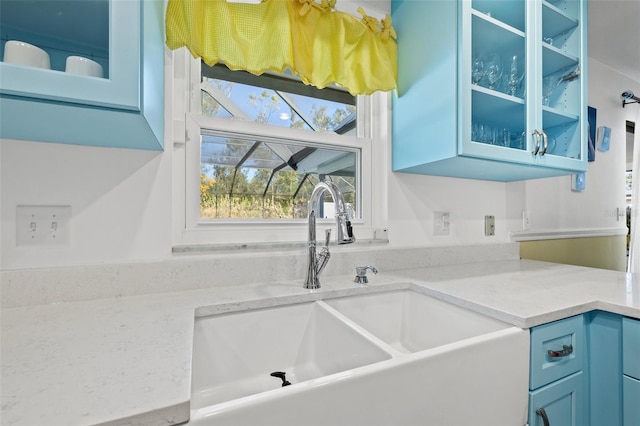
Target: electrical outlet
x=489, y=225
x=441, y=223
x=42, y=225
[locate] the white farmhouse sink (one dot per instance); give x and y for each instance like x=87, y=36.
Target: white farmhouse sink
x=392, y=358
x=410, y=321
x=234, y=354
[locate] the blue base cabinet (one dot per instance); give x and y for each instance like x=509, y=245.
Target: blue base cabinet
x=631, y=372
x=631, y=401
x=560, y=403
x=585, y=370
x=614, y=384
x=557, y=384
x=124, y=108
x=605, y=360
x=492, y=90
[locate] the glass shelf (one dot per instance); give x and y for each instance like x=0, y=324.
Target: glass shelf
x=568, y=9
x=494, y=101
x=555, y=21
x=498, y=111
x=564, y=140
x=554, y=60
x=552, y=117
x=509, y=13
x=493, y=34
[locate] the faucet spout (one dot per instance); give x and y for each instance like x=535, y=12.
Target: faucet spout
x=344, y=234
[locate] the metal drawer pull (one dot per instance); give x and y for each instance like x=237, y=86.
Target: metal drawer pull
x=566, y=351
x=543, y=414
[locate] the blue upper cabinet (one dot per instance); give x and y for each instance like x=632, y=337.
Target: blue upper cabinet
x=123, y=106
x=490, y=89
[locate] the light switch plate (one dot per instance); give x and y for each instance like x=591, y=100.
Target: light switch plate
x=441, y=222
x=40, y=225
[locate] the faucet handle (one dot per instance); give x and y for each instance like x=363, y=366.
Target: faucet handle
x=361, y=271
x=324, y=255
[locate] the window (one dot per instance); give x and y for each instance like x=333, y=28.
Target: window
x=249, y=178
x=268, y=178
x=256, y=146
x=276, y=100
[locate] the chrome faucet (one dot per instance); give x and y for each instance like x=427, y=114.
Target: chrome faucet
x=316, y=263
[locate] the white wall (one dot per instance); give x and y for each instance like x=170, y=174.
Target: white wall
x=121, y=199
x=414, y=198
x=552, y=204
x=121, y=204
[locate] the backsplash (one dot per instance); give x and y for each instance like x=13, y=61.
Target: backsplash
x=27, y=287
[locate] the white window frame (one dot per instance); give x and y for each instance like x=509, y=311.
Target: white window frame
x=373, y=123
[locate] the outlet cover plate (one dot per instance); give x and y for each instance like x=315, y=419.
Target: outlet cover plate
x=489, y=225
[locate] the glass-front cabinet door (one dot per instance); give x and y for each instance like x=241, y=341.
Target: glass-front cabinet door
x=527, y=100
x=69, y=31
x=496, y=78
x=561, y=81
x=85, y=72
x=490, y=89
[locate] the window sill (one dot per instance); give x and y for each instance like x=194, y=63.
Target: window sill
x=261, y=247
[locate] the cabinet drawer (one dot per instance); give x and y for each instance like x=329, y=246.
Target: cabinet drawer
x=631, y=348
x=630, y=401
x=557, y=350
x=562, y=402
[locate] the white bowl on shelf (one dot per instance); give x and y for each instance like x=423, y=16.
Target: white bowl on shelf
x=21, y=53
x=80, y=65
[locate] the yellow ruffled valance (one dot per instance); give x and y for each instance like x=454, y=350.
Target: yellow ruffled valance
x=319, y=44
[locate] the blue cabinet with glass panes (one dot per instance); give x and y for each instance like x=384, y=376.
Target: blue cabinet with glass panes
x=490, y=89
x=61, y=99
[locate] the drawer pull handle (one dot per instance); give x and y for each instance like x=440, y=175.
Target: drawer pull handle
x=543, y=414
x=566, y=351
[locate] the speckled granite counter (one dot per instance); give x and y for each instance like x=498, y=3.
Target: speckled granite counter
x=129, y=358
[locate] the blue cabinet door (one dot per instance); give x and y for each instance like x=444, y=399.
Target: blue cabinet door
x=631, y=369
x=124, y=109
x=631, y=347
x=605, y=368
x=562, y=402
x=119, y=88
x=631, y=401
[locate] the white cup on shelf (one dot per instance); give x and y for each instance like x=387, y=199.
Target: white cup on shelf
x=21, y=53
x=80, y=65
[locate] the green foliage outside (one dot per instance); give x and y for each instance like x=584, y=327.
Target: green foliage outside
x=247, y=200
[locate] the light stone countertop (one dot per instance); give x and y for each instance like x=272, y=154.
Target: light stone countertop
x=127, y=360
